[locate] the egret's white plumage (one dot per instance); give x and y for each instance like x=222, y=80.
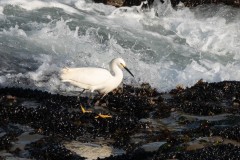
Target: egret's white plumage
x=99, y=79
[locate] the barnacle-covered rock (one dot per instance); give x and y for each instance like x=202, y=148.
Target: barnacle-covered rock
x=189, y=123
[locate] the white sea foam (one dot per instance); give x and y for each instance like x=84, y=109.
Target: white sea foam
x=91, y=6
x=1, y=10
x=15, y=31
x=209, y=71
x=211, y=34
x=161, y=46
x=37, y=4
x=2, y=16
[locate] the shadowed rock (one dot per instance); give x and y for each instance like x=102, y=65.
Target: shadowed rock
x=181, y=121
x=187, y=3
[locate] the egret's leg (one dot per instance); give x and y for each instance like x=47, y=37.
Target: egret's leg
x=89, y=102
x=97, y=100
x=82, y=92
x=103, y=95
x=90, y=99
x=78, y=97
x=102, y=115
x=82, y=108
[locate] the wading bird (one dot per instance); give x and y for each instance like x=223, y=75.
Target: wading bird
x=96, y=79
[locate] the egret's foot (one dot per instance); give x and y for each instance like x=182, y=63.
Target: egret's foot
x=85, y=111
x=103, y=116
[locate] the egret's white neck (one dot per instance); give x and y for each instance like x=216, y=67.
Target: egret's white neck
x=117, y=72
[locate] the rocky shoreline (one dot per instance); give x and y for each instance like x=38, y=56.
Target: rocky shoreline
x=200, y=122
x=187, y=3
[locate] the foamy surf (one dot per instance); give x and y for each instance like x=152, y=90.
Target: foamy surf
x=161, y=45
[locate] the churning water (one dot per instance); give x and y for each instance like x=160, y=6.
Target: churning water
x=161, y=45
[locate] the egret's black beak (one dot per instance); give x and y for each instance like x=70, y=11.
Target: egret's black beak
x=128, y=71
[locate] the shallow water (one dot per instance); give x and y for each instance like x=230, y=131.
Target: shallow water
x=161, y=45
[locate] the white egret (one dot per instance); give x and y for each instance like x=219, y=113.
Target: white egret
x=99, y=79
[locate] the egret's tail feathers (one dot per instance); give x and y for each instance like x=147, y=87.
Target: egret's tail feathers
x=65, y=70
x=64, y=74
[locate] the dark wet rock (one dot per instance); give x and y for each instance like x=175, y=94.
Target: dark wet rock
x=208, y=98
x=138, y=2
x=5, y=141
x=214, y=152
x=9, y=135
x=140, y=116
x=231, y=132
x=171, y=151
x=137, y=102
x=201, y=129
x=187, y=3
x=53, y=115
x=193, y=3
x=208, y=129
x=48, y=148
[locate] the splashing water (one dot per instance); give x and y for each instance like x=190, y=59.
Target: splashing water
x=161, y=45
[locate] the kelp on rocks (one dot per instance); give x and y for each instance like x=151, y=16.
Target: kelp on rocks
x=140, y=117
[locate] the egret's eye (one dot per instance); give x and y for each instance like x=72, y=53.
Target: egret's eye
x=122, y=65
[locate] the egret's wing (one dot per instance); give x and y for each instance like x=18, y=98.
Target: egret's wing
x=89, y=76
